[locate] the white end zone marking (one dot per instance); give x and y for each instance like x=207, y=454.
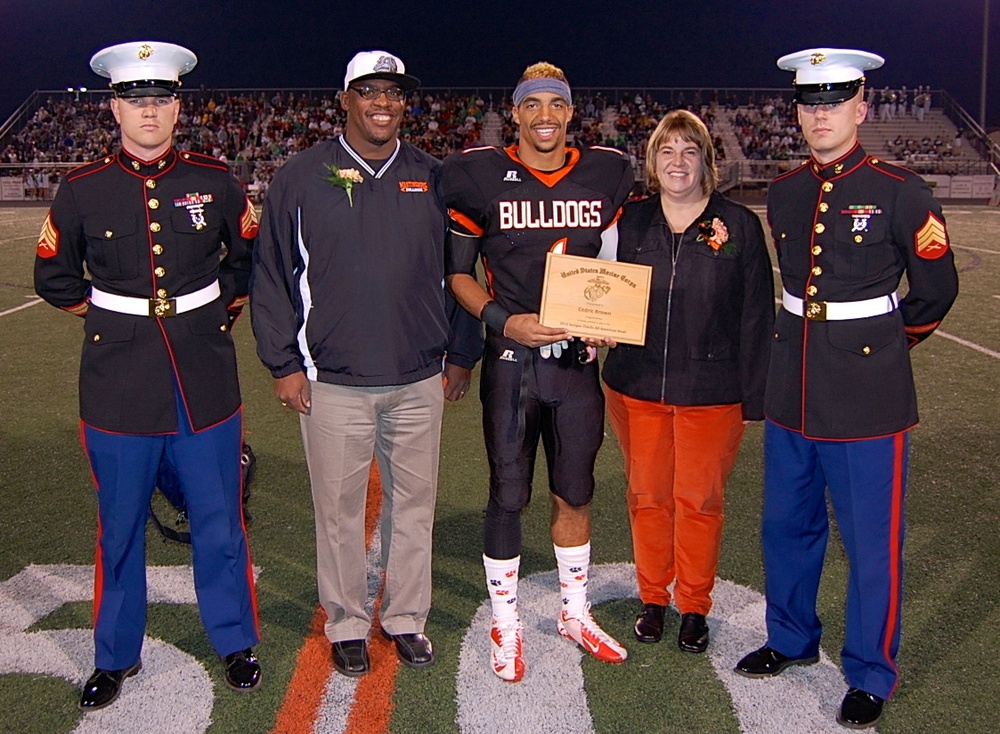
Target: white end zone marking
x=173, y=692
x=552, y=698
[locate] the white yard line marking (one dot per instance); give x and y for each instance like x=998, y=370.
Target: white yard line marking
x=339, y=694
x=21, y=307
x=957, y=339
x=804, y=699
x=173, y=686
x=975, y=249
x=970, y=345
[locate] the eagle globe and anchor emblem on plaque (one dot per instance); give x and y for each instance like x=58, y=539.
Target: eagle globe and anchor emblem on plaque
x=597, y=289
x=596, y=298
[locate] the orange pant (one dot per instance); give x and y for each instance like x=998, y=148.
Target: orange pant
x=677, y=460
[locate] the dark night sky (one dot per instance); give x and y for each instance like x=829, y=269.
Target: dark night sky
x=46, y=44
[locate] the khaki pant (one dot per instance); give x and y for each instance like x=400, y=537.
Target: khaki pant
x=401, y=425
x=677, y=460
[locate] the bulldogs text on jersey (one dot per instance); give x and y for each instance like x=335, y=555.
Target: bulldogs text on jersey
x=543, y=214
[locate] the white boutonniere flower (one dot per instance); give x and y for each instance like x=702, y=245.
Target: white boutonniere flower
x=345, y=178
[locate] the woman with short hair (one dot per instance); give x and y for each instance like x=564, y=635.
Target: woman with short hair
x=679, y=403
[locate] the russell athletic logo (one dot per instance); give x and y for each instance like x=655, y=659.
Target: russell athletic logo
x=550, y=214
x=512, y=177
x=508, y=356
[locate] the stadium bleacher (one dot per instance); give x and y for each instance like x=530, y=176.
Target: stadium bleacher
x=755, y=131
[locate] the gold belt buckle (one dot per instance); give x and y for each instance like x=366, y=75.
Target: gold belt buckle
x=815, y=310
x=162, y=308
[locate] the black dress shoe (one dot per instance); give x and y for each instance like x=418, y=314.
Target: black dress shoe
x=242, y=671
x=693, y=636
x=649, y=624
x=350, y=657
x=413, y=649
x=766, y=662
x=103, y=687
x=860, y=709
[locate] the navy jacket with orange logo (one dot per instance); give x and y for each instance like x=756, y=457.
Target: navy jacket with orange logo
x=348, y=286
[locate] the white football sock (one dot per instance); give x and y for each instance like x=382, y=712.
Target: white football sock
x=574, y=565
x=501, y=582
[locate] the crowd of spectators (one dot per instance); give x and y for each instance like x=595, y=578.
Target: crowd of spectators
x=65, y=131
x=241, y=129
x=769, y=131
x=256, y=132
x=924, y=155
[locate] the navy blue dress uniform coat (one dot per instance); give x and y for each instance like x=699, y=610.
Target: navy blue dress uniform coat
x=847, y=231
x=151, y=230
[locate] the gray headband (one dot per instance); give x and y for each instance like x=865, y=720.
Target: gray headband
x=546, y=84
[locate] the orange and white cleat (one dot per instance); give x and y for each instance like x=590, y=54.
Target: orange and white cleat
x=507, y=654
x=586, y=633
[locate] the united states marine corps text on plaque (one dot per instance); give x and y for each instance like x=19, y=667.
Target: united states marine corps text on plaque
x=596, y=298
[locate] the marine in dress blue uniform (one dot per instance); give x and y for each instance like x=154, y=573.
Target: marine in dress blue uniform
x=152, y=247
x=840, y=397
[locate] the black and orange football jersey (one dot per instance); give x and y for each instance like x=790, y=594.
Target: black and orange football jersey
x=512, y=214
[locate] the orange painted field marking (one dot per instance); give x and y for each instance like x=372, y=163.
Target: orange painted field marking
x=297, y=714
x=372, y=709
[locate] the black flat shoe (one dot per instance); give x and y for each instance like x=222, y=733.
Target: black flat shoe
x=242, y=671
x=693, y=636
x=860, y=709
x=103, y=687
x=767, y=662
x=649, y=624
x=350, y=657
x=413, y=649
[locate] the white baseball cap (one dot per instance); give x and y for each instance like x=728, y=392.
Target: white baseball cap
x=144, y=68
x=379, y=65
x=828, y=75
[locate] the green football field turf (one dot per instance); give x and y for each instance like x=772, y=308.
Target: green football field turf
x=950, y=653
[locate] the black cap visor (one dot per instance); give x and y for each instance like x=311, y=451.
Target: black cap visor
x=829, y=93
x=146, y=88
x=407, y=82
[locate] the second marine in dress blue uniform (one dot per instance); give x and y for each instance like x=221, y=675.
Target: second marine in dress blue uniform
x=840, y=397
x=152, y=246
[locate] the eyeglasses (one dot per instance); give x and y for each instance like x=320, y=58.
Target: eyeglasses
x=371, y=92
